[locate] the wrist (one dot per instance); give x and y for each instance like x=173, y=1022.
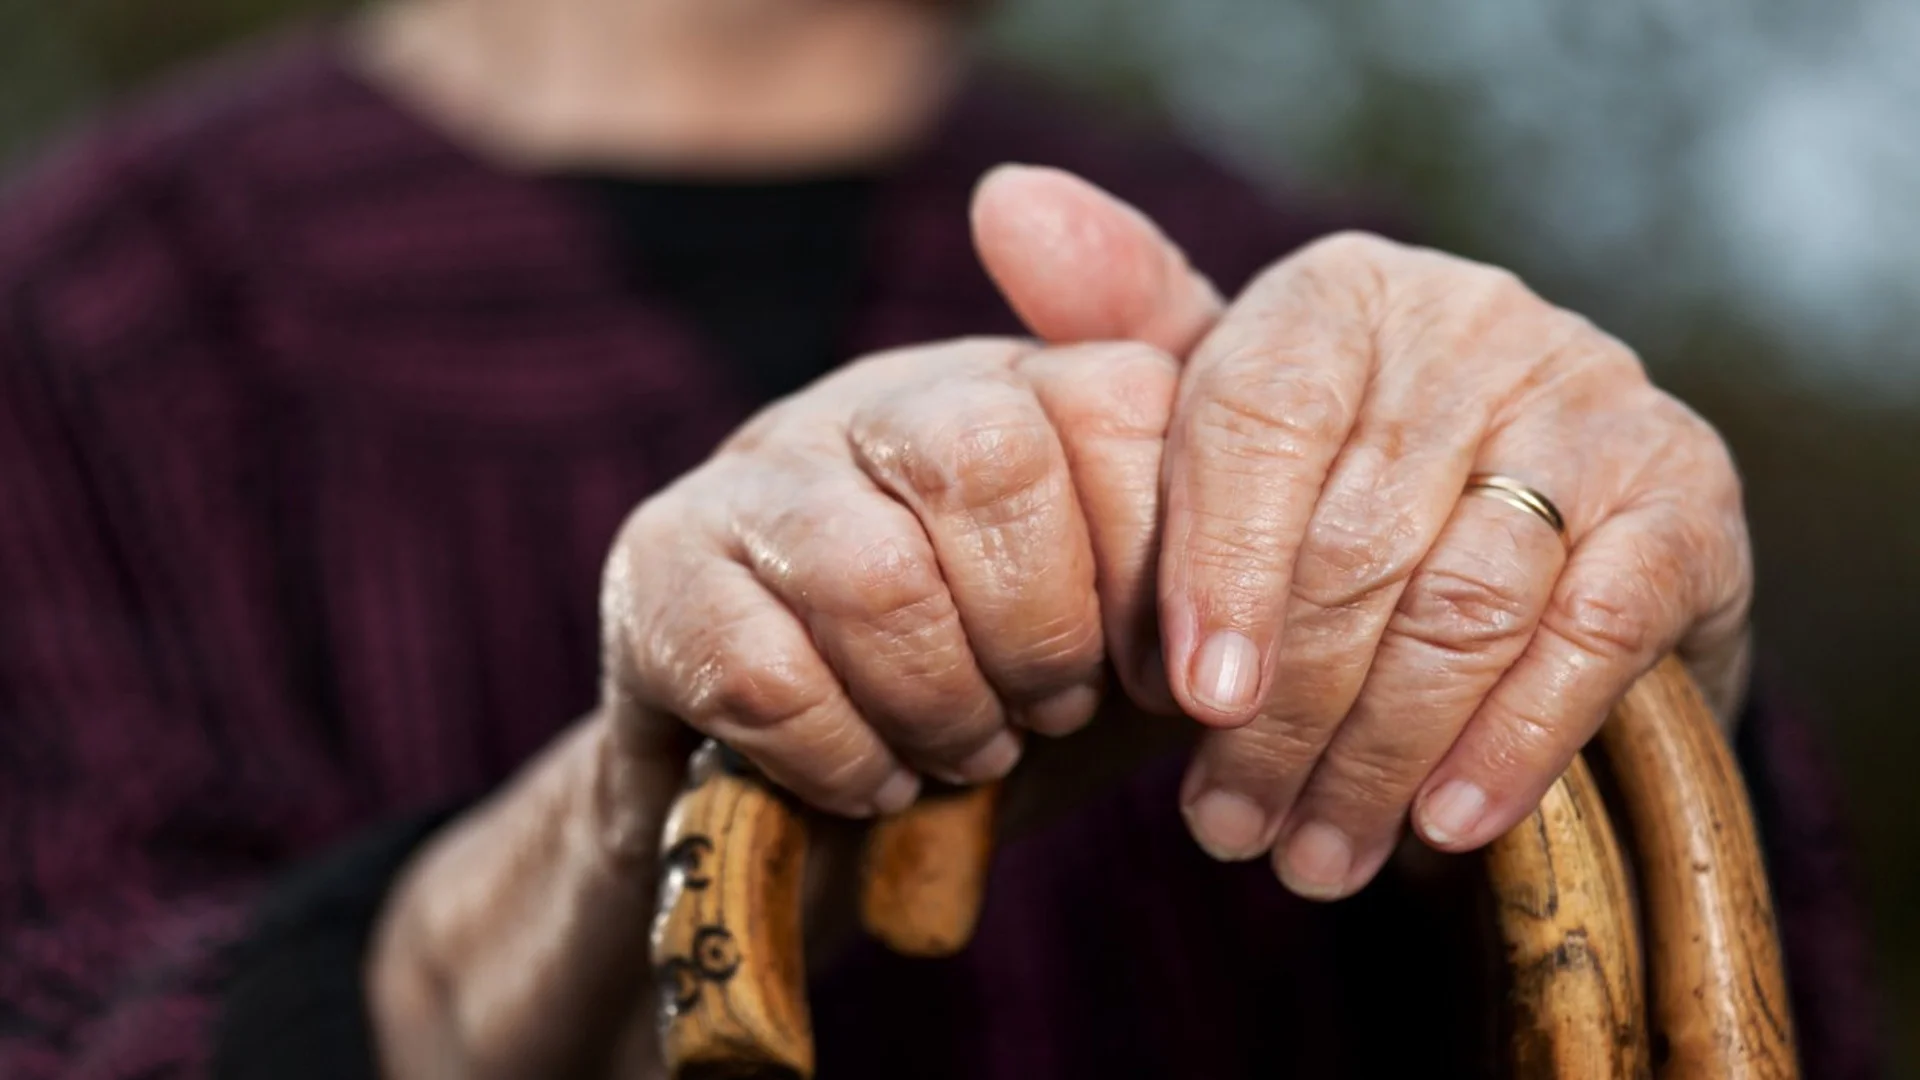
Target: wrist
x=408, y=1015
x=511, y=945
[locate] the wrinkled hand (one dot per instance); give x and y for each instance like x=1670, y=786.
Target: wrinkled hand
x=1368, y=639
x=897, y=573
x=905, y=569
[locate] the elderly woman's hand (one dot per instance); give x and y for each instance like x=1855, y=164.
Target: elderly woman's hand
x=899, y=571
x=1370, y=638
x=896, y=573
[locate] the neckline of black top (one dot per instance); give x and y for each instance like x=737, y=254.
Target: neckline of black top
x=767, y=273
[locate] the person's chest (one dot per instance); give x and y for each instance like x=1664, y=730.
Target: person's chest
x=406, y=458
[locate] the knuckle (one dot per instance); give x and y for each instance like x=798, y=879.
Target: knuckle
x=618, y=575
x=1350, y=246
x=1520, y=741
x=896, y=585
x=986, y=453
x=1268, y=754
x=1462, y=308
x=942, y=727
x=722, y=678
x=1351, y=268
x=840, y=768
x=988, y=462
x=1377, y=776
x=647, y=560
x=1497, y=288
x=1262, y=408
x=1617, y=623
x=1055, y=654
x=760, y=429
x=1578, y=364
x=1134, y=361
x=1708, y=458
x=853, y=570
x=1130, y=395
x=1698, y=485
x=1463, y=614
x=1359, y=545
x=1608, y=354
x=647, y=527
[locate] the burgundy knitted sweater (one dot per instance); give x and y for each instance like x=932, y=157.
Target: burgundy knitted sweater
x=314, y=431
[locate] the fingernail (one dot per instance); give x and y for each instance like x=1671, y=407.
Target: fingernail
x=1232, y=828
x=1451, y=812
x=1063, y=713
x=897, y=793
x=1318, y=860
x=1226, y=671
x=992, y=761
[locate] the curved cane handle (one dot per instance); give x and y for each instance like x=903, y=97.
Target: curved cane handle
x=1564, y=909
x=1712, y=961
x=726, y=942
x=1718, y=988
x=925, y=873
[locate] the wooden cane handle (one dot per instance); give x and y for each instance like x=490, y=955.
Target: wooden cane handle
x=924, y=874
x=726, y=943
x=727, y=938
x=1718, y=988
x=1564, y=909
x=1713, y=977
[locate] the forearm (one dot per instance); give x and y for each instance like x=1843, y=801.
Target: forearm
x=516, y=943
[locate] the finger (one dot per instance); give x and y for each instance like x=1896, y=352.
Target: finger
x=1464, y=618
x=1079, y=265
x=977, y=461
x=1389, y=494
x=1630, y=591
x=857, y=569
x=1265, y=405
x=1109, y=405
x=725, y=656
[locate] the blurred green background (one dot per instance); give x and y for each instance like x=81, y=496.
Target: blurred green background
x=1734, y=188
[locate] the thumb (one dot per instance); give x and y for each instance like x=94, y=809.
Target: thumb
x=1079, y=265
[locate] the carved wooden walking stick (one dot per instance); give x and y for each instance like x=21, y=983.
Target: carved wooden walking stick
x=727, y=935
x=1706, y=999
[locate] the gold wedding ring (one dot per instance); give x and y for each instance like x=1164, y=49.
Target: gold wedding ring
x=1514, y=493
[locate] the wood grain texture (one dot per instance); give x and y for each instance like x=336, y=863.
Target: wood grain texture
x=924, y=873
x=1564, y=910
x=1718, y=990
x=726, y=945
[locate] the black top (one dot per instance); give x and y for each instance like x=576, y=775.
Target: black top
x=769, y=274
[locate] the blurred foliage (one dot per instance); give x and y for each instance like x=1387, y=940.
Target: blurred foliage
x=1712, y=180
x=1722, y=184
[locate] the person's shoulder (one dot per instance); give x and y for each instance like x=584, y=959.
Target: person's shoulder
x=128, y=219
x=200, y=123
x=1230, y=221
